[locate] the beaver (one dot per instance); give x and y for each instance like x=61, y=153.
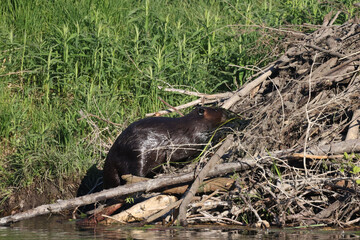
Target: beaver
x=149, y=142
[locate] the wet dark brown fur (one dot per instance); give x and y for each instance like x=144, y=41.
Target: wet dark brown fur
x=150, y=142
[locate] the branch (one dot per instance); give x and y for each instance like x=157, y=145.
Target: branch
x=353, y=131
x=248, y=87
x=336, y=54
x=200, y=178
x=204, y=95
x=173, y=108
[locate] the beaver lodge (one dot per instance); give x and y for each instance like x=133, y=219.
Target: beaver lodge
x=293, y=159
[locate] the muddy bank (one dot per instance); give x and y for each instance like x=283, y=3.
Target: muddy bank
x=27, y=198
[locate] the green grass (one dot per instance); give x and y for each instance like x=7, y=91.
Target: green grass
x=107, y=58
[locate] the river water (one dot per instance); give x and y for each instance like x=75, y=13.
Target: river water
x=56, y=227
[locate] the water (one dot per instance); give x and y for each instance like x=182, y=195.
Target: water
x=56, y=227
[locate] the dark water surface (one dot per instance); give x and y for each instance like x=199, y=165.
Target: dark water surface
x=56, y=227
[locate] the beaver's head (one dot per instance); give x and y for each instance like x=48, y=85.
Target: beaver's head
x=209, y=117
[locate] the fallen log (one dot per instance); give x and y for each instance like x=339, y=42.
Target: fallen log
x=99, y=215
x=211, y=185
x=121, y=191
x=188, y=196
x=142, y=210
x=174, y=179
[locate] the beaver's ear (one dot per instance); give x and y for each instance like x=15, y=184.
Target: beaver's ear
x=201, y=111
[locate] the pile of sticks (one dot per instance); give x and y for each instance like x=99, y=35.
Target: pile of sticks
x=308, y=98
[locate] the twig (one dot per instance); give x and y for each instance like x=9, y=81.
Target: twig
x=127, y=54
x=272, y=29
x=82, y=114
x=203, y=95
x=301, y=155
x=248, y=87
x=351, y=54
x=199, y=179
x=205, y=99
x=326, y=51
x=189, y=104
x=334, y=18
x=251, y=208
x=167, y=104
x=307, y=117
x=17, y=73
x=181, y=91
x=333, y=70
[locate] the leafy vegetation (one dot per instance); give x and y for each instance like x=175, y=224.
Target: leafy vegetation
x=108, y=57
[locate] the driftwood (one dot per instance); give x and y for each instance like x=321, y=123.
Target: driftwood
x=99, y=214
x=142, y=210
x=353, y=131
x=199, y=179
x=211, y=185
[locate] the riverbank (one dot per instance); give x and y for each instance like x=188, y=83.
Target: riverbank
x=71, y=70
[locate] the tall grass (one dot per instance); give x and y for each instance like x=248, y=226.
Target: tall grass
x=108, y=57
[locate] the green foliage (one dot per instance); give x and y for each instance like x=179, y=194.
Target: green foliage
x=129, y=200
x=276, y=170
x=107, y=58
x=348, y=166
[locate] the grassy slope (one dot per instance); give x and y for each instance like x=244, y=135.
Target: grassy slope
x=106, y=58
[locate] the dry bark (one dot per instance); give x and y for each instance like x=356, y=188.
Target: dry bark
x=142, y=210
x=353, y=132
x=211, y=185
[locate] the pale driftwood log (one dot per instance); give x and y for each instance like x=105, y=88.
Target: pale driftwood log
x=225, y=168
x=336, y=148
x=162, y=212
x=142, y=210
x=353, y=131
x=201, y=176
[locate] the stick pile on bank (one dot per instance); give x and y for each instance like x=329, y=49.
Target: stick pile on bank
x=308, y=98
